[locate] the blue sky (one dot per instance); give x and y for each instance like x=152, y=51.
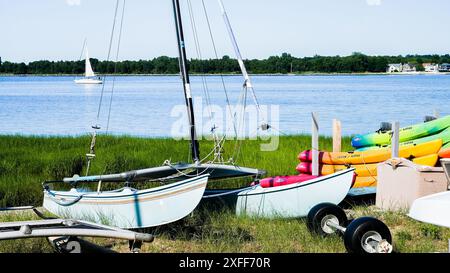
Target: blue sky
x=55, y=29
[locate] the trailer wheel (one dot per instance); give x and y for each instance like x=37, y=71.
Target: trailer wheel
x=367, y=235
x=320, y=215
x=135, y=246
x=69, y=244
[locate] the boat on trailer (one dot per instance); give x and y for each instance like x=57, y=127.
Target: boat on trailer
x=287, y=201
x=128, y=207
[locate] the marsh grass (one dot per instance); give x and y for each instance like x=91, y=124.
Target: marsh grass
x=34, y=245
x=25, y=162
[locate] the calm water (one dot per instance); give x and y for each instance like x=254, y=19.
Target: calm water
x=142, y=105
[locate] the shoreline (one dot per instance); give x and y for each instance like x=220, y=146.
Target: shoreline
x=168, y=138
x=236, y=74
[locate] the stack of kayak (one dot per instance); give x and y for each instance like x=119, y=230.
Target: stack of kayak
x=365, y=162
x=422, y=143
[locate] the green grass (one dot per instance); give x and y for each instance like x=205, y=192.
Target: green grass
x=25, y=162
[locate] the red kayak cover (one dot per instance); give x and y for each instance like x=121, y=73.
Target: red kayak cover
x=306, y=156
x=285, y=180
x=304, y=167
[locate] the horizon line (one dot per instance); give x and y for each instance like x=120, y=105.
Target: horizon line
x=226, y=55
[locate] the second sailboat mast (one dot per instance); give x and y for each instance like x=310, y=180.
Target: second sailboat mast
x=186, y=83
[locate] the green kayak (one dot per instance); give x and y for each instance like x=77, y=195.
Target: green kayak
x=407, y=133
x=444, y=135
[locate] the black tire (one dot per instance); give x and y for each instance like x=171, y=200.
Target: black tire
x=319, y=212
x=361, y=227
x=68, y=244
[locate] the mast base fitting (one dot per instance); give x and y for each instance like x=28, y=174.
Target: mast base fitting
x=265, y=126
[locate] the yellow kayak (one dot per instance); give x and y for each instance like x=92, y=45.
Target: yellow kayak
x=365, y=181
x=363, y=169
x=374, y=156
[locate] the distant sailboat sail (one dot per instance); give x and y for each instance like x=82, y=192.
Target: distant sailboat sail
x=89, y=71
x=89, y=75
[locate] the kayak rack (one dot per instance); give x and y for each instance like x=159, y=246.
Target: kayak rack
x=445, y=162
x=63, y=234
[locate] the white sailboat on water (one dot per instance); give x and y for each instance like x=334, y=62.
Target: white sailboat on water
x=89, y=75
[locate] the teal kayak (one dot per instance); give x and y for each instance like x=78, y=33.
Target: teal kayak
x=406, y=133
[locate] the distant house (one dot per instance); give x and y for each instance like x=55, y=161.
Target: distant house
x=445, y=67
x=430, y=67
x=409, y=68
x=392, y=68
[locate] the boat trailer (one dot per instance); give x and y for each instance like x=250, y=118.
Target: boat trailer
x=361, y=235
x=63, y=234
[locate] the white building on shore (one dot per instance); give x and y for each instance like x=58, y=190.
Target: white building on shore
x=445, y=67
x=431, y=67
x=394, y=68
x=401, y=68
x=409, y=68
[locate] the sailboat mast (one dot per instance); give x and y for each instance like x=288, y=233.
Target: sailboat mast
x=195, y=151
x=235, y=45
x=248, y=82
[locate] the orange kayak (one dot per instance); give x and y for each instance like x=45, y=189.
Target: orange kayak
x=445, y=151
x=361, y=169
x=365, y=181
x=374, y=156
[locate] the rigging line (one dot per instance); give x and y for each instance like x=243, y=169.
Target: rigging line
x=235, y=117
x=81, y=55
x=199, y=54
x=217, y=150
x=82, y=49
x=221, y=144
x=107, y=60
x=115, y=65
x=217, y=155
x=247, y=79
x=96, y=126
x=204, y=81
x=241, y=124
x=217, y=57
x=278, y=130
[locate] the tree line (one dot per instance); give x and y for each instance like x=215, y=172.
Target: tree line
x=285, y=63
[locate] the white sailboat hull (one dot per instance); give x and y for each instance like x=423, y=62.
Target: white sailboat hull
x=88, y=81
x=129, y=208
x=295, y=200
x=433, y=209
